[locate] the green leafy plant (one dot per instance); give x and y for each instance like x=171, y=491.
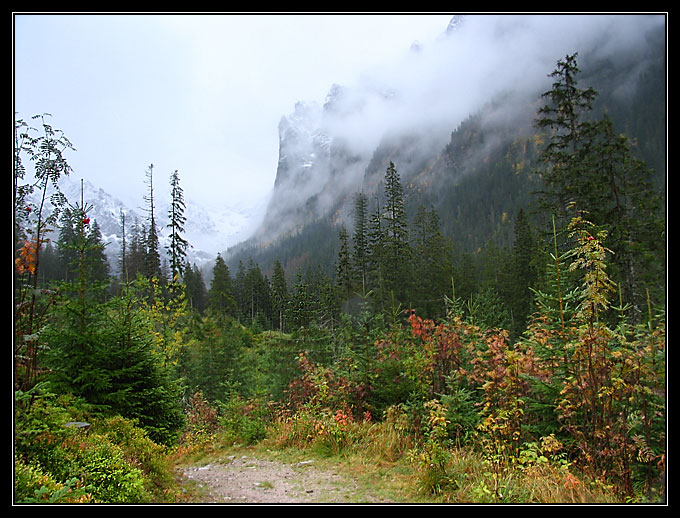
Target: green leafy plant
x=243, y=421
x=33, y=485
x=431, y=460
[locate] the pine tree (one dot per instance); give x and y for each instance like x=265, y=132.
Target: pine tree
x=220, y=297
x=197, y=294
x=300, y=307
x=102, y=352
x=523, y=272
x=590, y=169
x=360, y=250
x=564, y=174
x=279, y=296
x=98, y=263
x=328, y=297
x=122, y=257
x=432, y=260
x=178, y=245
x=396, y=248
x=68, y=258
x=152, y=267
x=136, y=251
x=487, y=310
x=256, y=292
x=376, y=257
x=343, y=269
x=72, y=238
x=626, y=205
x=389, y=257
x=242, y=304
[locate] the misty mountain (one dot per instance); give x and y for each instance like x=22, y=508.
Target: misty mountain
x=206, y=232
x=457, y=121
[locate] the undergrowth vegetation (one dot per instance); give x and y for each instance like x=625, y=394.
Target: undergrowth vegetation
x=565, y=415
x=574, y=411
x=64, y=454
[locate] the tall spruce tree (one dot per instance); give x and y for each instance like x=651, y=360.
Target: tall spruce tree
x=589, y=168
x=300, y=307
x=625, y=203
x=329, y=301
x=220, y=295
x=360, y=244
x=152, y=266
x=396, y=248
x=122, y=257
x=565, y=176
x=136, y=251
x=279, y=296
x=343, y=268
x=257, y=295
x=242, y=307
x=375, y=261
x=102, y=352
x=432, y=260
x=197, y=294
x=178, y=245
x=71, y=238
x=68, y=258
x=523, y=272
x=97, y=260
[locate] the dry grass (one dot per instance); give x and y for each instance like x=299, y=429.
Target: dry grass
x=378, y=456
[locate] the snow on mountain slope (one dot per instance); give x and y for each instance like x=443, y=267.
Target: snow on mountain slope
x=208, y=231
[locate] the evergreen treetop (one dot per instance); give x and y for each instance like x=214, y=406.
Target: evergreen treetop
x=152, y=266
x=178, y=245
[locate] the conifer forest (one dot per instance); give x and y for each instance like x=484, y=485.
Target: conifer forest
x=520, y=365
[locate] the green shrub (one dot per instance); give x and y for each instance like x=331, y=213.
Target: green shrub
x=431, y=460
x=113, y=461
x=108, y=477
x=40, y=432
x=33, y=485
x=462, y=411
x=243, y=420
x=139, y=451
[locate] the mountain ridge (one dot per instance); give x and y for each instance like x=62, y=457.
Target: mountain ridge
x=208, y=233
x=432, y=159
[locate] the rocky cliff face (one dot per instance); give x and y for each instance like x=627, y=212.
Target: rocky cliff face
x=322, y=164
x=440, y=115
x=317, y=167
x=302, y=171
x=329, y=152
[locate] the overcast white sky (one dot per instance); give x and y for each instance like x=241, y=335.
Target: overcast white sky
x=202, y=94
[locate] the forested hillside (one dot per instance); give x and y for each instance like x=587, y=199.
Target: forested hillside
x=492, y=317
x=478, y=181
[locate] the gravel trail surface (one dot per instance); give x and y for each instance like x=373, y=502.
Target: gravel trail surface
x=246, y=480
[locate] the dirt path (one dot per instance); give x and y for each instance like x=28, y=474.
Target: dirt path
x=246, y=480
